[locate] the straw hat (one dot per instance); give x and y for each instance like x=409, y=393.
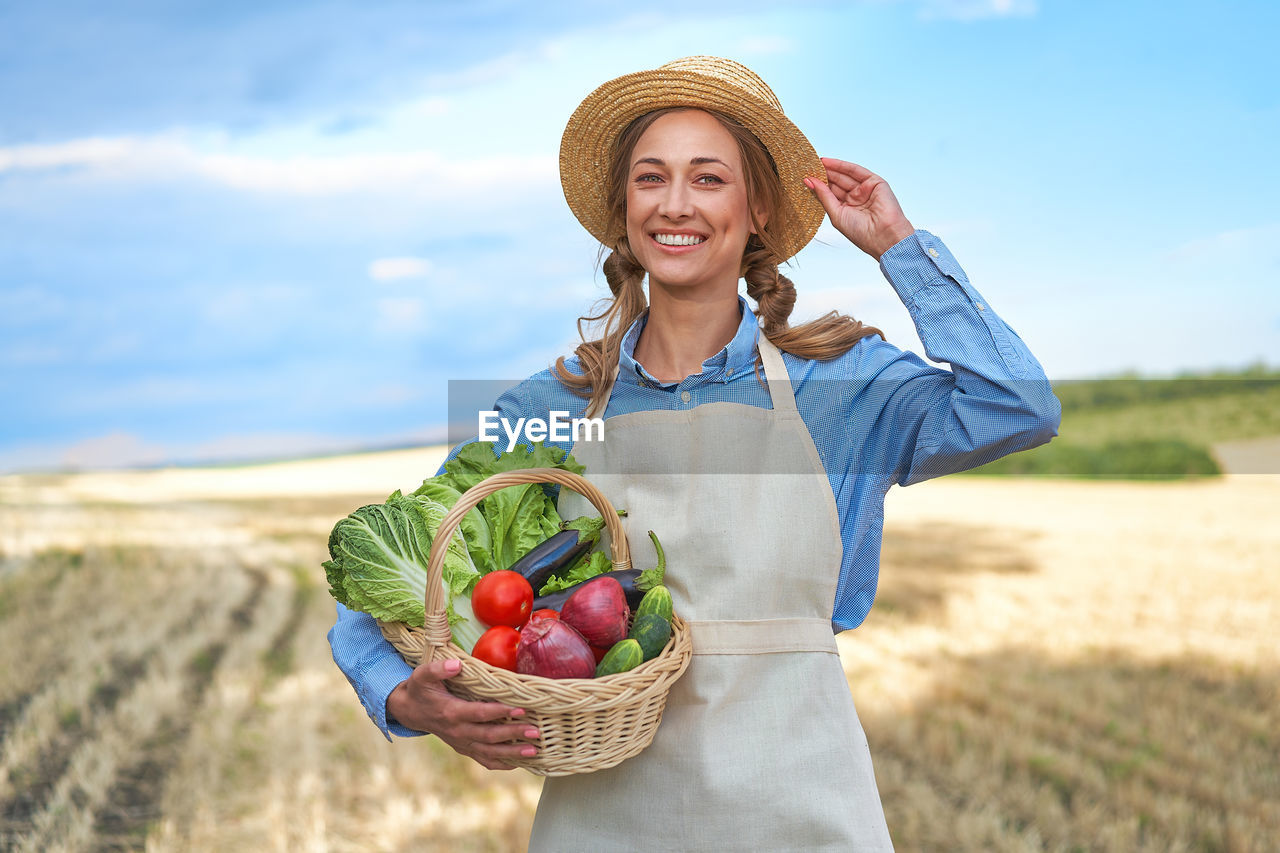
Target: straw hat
x=707, y=82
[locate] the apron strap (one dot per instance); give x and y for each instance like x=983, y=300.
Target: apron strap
x=762, y=636
x=596, y=409
x=775, y=373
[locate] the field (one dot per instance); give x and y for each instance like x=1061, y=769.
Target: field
x=1160, y=428
x=1051, y=665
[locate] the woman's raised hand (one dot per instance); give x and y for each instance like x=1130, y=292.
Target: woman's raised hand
x=478, y=730
x=861, y=206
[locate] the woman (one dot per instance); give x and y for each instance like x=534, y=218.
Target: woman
x=768, y=494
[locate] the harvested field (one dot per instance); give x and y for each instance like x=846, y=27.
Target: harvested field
x=1051, y=665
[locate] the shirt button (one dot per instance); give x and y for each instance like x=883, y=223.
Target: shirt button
x=980, y=306
x=685, y=396
x=728, y=371
x=933, y=252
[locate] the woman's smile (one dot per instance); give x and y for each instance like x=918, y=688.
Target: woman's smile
x=667, y=238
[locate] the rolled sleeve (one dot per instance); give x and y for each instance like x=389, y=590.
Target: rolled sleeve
x=995, y=399
x=371, y=665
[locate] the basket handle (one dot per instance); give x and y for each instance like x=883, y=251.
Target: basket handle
x=437, y=621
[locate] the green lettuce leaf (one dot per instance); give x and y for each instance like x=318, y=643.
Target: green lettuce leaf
x=596, y=564
x=475, y=529
x=478, y=461
x=519, y=517
x=379, y=559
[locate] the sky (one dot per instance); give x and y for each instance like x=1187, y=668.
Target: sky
x=252, y=230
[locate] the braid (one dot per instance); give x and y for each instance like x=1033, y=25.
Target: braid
x=625, y=278
x=826, y=337
x=773, y=292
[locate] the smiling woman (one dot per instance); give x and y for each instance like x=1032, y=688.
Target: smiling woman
x=767, y=491
x=725, y=167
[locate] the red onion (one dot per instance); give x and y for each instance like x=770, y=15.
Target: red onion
x=598, y=609
x=552, y=649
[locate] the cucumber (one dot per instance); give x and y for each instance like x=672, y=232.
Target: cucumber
x=652, y=632
x=622, y=656
x=656, y=600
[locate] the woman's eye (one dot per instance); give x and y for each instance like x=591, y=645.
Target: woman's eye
x=647, y=179
x=709, y=179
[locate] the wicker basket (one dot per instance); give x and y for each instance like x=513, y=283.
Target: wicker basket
x=586, y=724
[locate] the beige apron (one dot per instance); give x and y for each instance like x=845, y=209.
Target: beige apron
x=759, y=747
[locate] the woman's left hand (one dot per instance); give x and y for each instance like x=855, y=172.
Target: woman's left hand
x=861, y=206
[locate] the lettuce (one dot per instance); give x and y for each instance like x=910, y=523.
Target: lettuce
x=477, y=461
x=473, y=525
x=596, y=564
x=378, y=554
x=519, y=517
x=378, y=564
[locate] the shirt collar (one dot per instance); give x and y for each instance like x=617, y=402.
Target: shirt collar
x=735, y=357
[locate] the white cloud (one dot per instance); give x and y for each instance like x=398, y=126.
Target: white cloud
x=425, y=174
x=866, y=302
x=390, y=394
x=766, y=45
x=86, y=152
x=394, y=269
x=30, y=304
x=969, y=10
x=432, y=107
x=153, y=392
x=1258, y=242
x=117, y=449
x=492, y=70
x=401, y=314
x=241, y=305
x=30, y=353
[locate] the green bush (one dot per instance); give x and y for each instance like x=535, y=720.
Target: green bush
x=1155, y=459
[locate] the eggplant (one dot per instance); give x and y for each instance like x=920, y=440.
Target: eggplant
x=553, y=555
x=626, y=577
x=635, y=583
x=562, y=551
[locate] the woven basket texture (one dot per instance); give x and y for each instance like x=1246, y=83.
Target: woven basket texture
x=585, y=724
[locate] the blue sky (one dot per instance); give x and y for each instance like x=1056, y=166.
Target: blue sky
x=242, y=230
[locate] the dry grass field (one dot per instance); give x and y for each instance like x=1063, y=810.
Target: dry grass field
x=1051, y=665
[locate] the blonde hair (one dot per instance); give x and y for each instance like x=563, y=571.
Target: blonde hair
x=831, y=335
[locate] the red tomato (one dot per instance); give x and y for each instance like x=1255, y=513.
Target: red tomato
x=546, y=613
x=497, y=647
x=502, y=598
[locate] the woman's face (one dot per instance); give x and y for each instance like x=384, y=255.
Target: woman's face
x=687, y=210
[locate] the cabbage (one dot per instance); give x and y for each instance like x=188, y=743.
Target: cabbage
x=378, y=554
x=473, y=525
x=379, y=565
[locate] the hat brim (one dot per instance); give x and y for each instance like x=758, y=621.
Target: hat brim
x=586, y=149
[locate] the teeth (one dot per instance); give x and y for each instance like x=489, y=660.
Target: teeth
x=678, y=239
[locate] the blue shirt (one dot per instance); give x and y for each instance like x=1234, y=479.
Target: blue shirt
x=878, y=415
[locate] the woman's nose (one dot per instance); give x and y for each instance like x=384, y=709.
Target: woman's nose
x=677, y=202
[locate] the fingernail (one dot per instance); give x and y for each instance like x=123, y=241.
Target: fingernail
x=452, y=665
x=517, y=712
x=530, y=732
x=528, y=752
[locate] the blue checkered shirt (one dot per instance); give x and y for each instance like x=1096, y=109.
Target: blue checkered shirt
x=878, y=415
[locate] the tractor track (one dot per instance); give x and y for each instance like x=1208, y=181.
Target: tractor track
x=130, y=800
